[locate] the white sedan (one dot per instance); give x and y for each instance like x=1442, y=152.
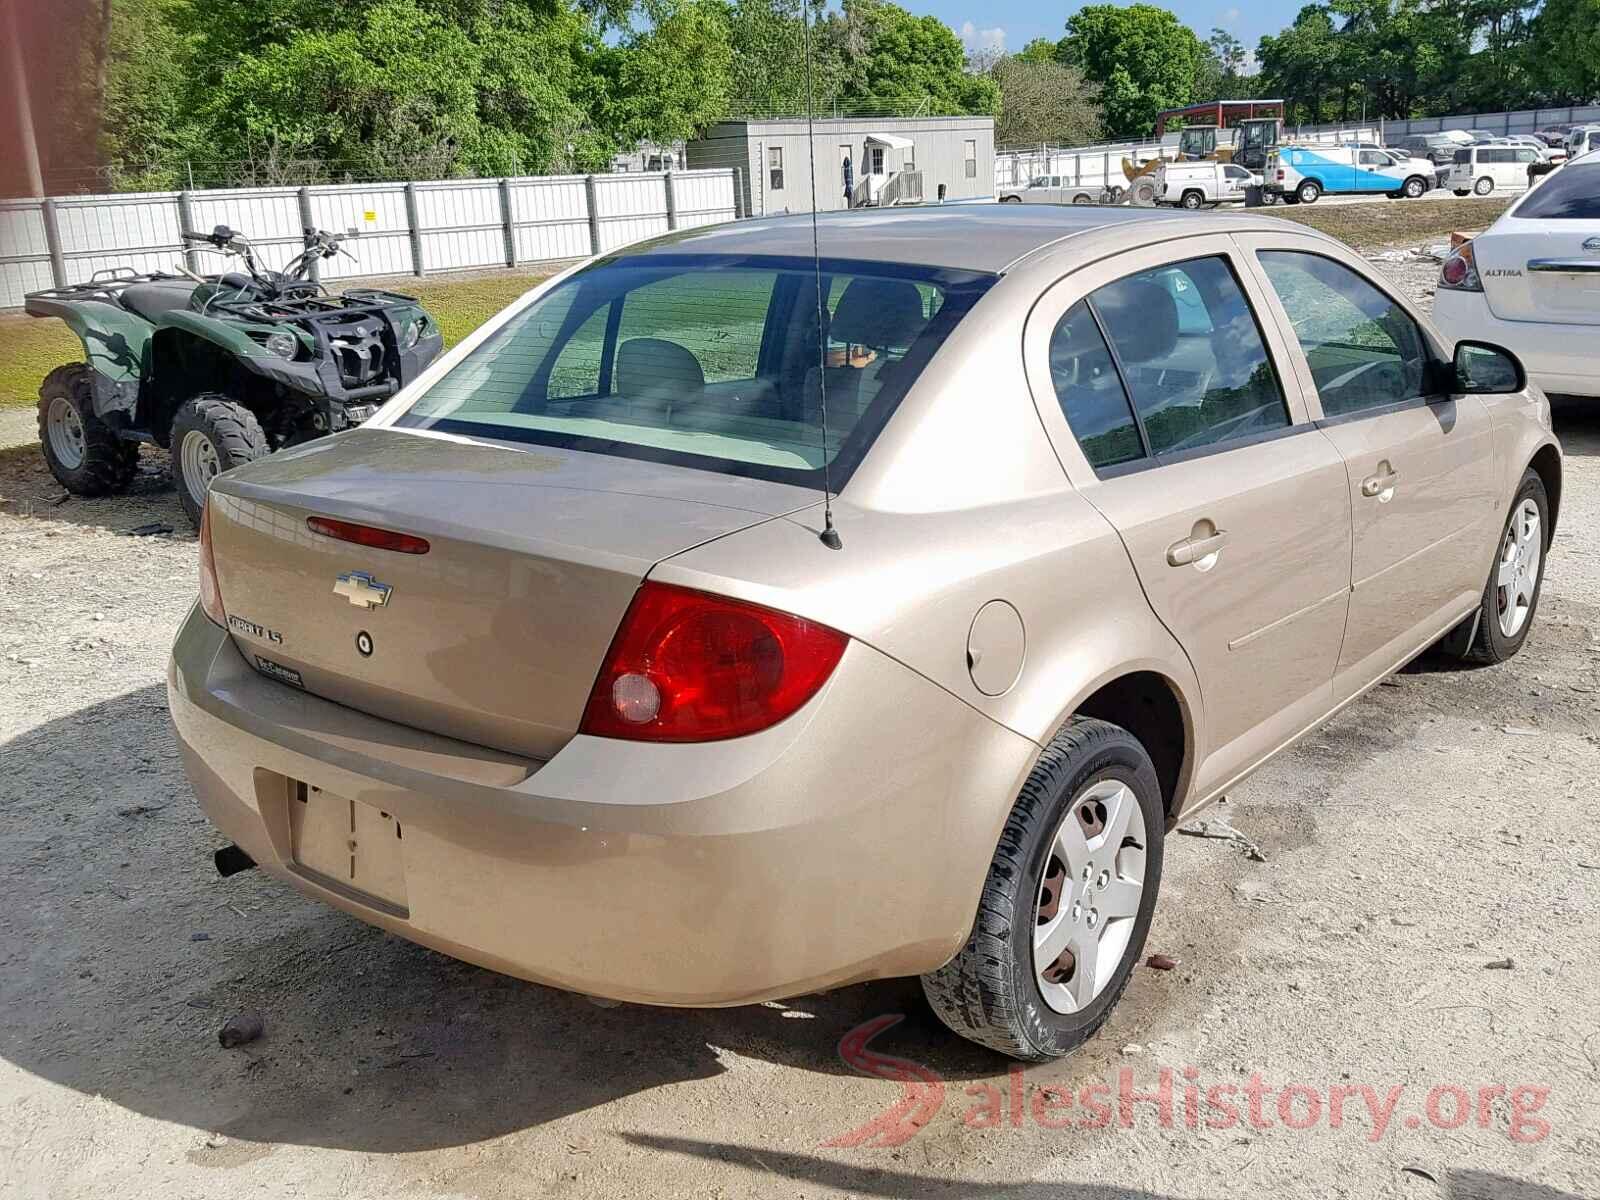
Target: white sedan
x=1531, y=282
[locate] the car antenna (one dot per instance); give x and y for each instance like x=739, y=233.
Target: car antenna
x=829, y=535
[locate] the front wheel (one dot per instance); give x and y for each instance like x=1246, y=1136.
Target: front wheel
x=1511, y=597
x=1414, y=187
x=1483, y=187
x=211, y=434
x=1308, y=192
x=82, y=451
x=1067, y=903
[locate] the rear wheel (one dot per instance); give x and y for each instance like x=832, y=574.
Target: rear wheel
x=211, y=434
x=1067, y=903
x=1308, y=192
x=1192, y=200
x=82, y=451
x=1010, y=199
x=1483, y=187
x=1511, y=597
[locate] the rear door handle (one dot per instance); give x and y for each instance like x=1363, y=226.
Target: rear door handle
x=1196, y=549
x=1381, y=484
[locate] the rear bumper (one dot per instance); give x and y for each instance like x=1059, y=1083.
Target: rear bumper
x=848, y=843
x=1557, y=357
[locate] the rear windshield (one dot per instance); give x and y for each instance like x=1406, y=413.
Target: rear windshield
x=1572, y=194
x=709, y=361
x=1463, y=156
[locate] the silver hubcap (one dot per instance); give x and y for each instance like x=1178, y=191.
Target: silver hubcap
x=200, y=463
x=1089, y=897
x=1517, y=576
x=66, y=433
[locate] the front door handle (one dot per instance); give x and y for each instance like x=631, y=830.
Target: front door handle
x=1380, y=484
x=1200, y=548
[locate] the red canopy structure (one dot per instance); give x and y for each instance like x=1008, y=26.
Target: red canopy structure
x=1224, y=114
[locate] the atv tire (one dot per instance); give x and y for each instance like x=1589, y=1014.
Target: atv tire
x=211, y=434
x=84, y=453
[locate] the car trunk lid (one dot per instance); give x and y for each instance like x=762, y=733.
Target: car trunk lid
x=1539, y=271
x=495, y=634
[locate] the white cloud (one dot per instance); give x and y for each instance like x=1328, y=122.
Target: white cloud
x=992, y=41
x=1230, y=16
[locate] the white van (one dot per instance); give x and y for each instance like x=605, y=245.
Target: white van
x=1482, y=169
x=1582, y=139
x=1196, y=184
x=1302, y=173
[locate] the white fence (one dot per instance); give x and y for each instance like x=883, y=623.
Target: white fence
x=405, y=228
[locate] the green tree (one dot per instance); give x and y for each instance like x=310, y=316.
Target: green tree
x=1563, y=51
x=1142, y=58
x=1301, y=64
x=1044, y=101
x=891, y=61
x=673, y=79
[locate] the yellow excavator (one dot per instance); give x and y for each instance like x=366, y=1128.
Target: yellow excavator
x=1257, y=127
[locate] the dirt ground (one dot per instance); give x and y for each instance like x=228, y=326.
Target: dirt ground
x=1423, y=926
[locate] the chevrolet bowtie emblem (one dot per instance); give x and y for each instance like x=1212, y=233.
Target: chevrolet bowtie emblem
x=362, y=590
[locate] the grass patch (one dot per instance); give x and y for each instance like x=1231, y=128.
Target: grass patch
x=1397, y=222
x=31, y=347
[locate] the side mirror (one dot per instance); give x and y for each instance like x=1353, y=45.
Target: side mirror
x=1483, y=369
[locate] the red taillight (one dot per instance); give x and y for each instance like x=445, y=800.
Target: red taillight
x=690, y=667
x=368, y=535
x=210, y=593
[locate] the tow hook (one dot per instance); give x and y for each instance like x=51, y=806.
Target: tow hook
x=231, y=860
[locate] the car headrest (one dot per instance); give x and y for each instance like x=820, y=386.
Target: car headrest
x=652, y=365
x=1141, y=317
x=879, y=313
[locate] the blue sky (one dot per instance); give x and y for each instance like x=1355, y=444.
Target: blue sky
x=1015, y=23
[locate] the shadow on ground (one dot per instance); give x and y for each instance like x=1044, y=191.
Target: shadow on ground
x=122, y=953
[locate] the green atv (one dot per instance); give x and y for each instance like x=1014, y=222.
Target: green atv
x=221, y=369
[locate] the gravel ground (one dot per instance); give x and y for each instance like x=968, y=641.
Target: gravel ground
x=1440, y=826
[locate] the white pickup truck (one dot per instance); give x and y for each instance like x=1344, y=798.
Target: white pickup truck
x=1196, y=184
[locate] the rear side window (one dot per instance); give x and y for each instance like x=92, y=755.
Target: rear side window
x=1090, y=391
x=1364, y=350
x=1570, y=194
x=707, y=361
x=1191, y=356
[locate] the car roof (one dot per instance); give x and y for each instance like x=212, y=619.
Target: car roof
x=961, y=237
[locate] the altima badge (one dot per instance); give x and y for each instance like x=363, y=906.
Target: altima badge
x=362, y=590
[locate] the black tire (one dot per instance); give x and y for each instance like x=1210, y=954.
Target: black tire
x=95, y=462
x=1414, y=187
x=1483, y=187
x=1291, y=198
x=1461, y=191
x=988, y=992
x=234, y=435
x=1010, y=199
x=1192, y=200
x=1492, y=644
x=1083, y=198
x=1308, y=192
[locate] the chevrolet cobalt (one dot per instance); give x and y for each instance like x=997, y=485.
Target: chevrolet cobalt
x=723, y=622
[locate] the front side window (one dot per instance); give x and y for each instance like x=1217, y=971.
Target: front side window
x=707, y=361
x=1375, y=158
x=1364, y=350
x=971, y=158
x=775, y=168
x=1191, y=355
